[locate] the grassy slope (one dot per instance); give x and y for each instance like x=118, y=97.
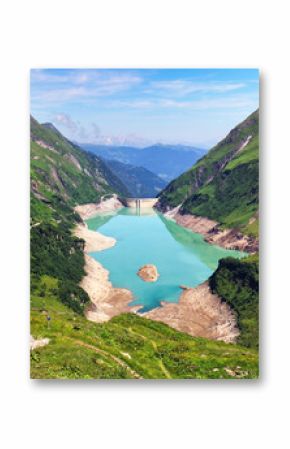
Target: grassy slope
x=128, y=346
x=231, y=196
x=66, y=173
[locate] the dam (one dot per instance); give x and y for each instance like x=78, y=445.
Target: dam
x=140, y=203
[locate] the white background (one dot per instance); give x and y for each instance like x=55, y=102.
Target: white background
x=204, y=414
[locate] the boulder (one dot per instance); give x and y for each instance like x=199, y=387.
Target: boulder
x=148, y=273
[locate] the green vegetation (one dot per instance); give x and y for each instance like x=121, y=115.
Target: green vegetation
x=62, y=172
x=237, y=283
x=126, y=347
x=233, y=198
x=223, y=185
x=55, y=252
x=62, y=175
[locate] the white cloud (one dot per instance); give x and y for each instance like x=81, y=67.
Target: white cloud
x=74, y=128
x=92, y=133
x=185, y=87
x=50, y=87
x=134, y=104
x=66, y=121
x=227, y=102
x=209, y=103
x=114, y=84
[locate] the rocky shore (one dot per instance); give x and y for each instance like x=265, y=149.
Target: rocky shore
x=94, y=241
x=199, y=313
x=106, y=301
x=89, y=210
x=212, y=233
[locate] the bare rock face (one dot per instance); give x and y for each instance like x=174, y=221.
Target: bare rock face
x=148, y=273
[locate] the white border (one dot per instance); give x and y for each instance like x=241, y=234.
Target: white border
x=144, y=34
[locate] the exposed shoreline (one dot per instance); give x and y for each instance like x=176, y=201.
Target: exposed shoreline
x=198, y=312
x=212, y=233
x=90, y=210
x=94, y=241
x=106, y=301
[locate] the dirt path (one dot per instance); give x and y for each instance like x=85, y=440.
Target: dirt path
x=106, y=354
x=160, y=362
x=155, y=347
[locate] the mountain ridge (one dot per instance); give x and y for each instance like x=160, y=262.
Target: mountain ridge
x=223, y=185
x=163, y=160
x=61, y=172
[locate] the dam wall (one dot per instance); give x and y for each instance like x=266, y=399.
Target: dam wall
x=140, y=203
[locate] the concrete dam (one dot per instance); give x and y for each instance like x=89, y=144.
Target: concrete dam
x=141, y=203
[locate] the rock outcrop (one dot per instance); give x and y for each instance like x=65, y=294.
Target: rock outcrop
x=148, y=273
x=212, y=233
x=35, y=344
x=90, y=210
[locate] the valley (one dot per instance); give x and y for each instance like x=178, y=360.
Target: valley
x=87, y=246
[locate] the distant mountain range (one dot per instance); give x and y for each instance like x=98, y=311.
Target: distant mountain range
x=165, y=161
x=139, y=181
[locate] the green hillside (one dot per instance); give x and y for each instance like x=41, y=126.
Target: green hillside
x=237, y=283
x=62, y=175
x=126, y=347
x=223, y=185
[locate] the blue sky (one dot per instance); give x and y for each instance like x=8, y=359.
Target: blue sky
x=144, y=106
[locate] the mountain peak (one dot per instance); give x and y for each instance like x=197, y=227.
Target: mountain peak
x=49, y=125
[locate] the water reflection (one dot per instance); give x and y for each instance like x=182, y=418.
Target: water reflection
x=195, y=242
x=138, y=212
x=101, y=219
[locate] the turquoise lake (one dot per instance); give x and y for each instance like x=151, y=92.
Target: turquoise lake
x=146, y=237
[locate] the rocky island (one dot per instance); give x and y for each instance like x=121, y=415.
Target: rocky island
x=148, y=273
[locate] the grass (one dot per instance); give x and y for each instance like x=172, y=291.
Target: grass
x=249, y=154
x=126, y=347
